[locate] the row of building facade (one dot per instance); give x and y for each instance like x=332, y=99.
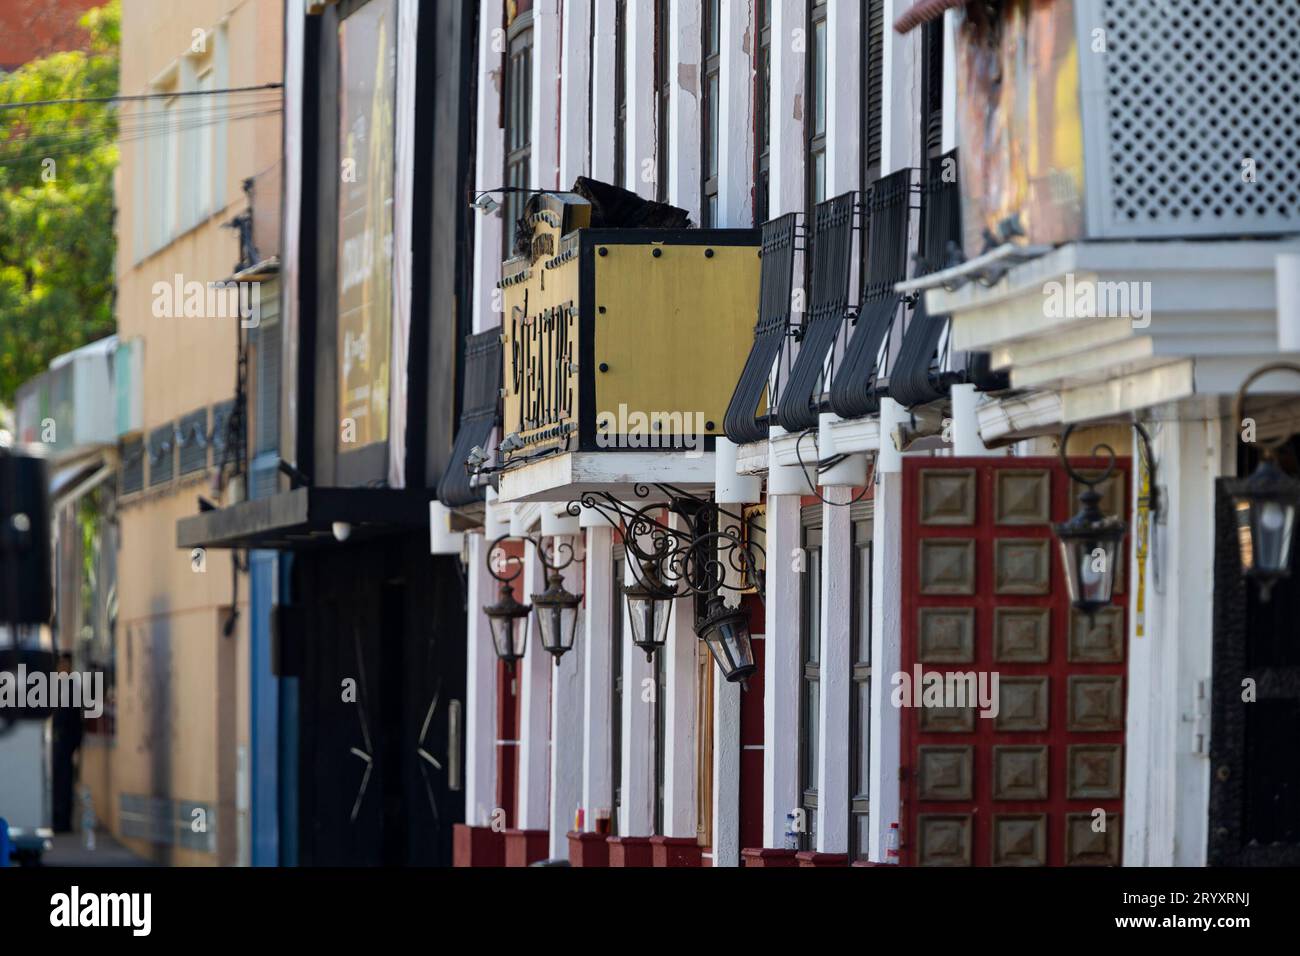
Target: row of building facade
x=831, y=310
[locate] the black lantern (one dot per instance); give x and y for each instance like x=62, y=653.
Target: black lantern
x=1090, y=541
x=508, y=620
x=650, y=608
x=726, y=632
x=1265, y=504
x=557, y=609
x=557, y=616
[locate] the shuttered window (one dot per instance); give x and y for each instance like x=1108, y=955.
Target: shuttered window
x=932, y=88
x=762, y=114
x=663, y=94
x=712, y=90
x=518, y=124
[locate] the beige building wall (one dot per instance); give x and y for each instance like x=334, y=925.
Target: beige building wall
x=183, y=700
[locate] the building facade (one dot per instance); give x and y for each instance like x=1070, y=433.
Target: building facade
x=198, y=198
x=970, y=305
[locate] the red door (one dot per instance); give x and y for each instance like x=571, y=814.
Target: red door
x=1037, y=778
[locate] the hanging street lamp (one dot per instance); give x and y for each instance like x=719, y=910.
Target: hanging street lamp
x=650, y=609
x=1090, y=541
x=708, y=555
x=1265, y=504
x=556, y=607
x=725, y=631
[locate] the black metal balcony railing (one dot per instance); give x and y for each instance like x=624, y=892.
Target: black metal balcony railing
x=761, y=374
x=926, y=367
x=480, y=413
x=831, y=248
x=861, y=379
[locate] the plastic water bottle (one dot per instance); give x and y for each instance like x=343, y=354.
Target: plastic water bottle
x=87, y=819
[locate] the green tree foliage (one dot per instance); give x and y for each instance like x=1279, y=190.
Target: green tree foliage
x=57, y=249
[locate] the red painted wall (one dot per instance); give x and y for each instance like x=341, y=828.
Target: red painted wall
x=30, y=29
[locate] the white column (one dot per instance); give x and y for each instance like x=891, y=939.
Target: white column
x=1167, y=772
x=545, y=152
x=836, y=669
x=843, y=81
x=680, y=732
x=575, y=85
x=480, y=691
x=641, y=98
x=566, y=723
x=787, y=109
x=781, y=669
x=639, y=690
x=726, y=768
x=603, y=105
x=597, y=720
x=900, y=118
x=534, y=673
x=966, y=440
x=684, y=66
x=886, y=632
x=489, y=165
x=736, y=118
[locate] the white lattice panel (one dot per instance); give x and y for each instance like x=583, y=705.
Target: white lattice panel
x=1190, y=101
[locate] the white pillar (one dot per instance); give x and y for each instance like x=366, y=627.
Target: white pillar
x=575, y=83
x=886, y=633
x=736, y=116
x=641, y=98
x=726, y=769
x=836, y=670
x=480, y=691
x=966, y=440
x=843, y=120
x=639, y=690
x=603, y=105
x=534, y=673
x=566, y=724
x=781, y=669
x=900, y=119
x=1167, y=772
x=489, y=165
x=680, y=732
x=684, y=67
x=545, y=151
x=787, y=109
x=597, y=720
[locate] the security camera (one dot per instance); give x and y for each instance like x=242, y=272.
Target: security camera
x=485, y=204
x=474, y=461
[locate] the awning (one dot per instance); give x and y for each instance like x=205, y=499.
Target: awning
x=304, y=518
x=923, y=11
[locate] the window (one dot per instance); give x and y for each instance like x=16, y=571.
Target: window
x=712, y=47
x=860, y=693
x=663, y=92
x=810, y=685
x=620, y=93
x=616, y=688
x=762, y=112
x=519, y=125
x=815, y=121
x=170, y=154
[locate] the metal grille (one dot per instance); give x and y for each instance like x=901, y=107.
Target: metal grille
x=132, y=466
x=220, y=435
x=162, y=454
x=193, y=441
x=1197, y=93
x=479, y=415
x=776, y=283
x=856, y=388
x=832, y=254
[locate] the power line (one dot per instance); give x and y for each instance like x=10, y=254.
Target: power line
x=140, y=96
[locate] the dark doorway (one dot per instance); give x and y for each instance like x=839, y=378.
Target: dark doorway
x=1255, y=776
x=383, y=667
